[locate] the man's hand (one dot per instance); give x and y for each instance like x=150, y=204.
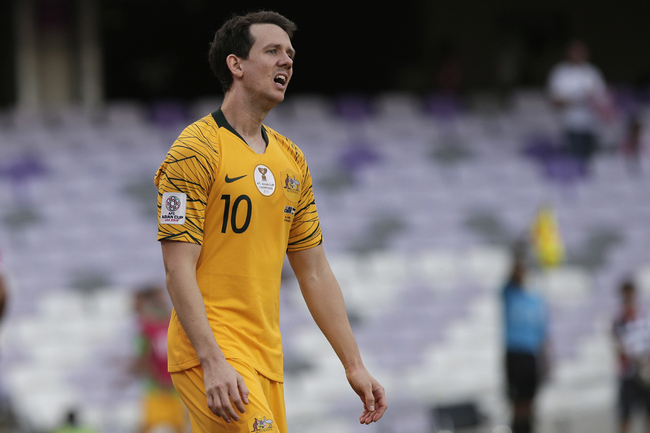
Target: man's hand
x=371, y=392
x=225, y=387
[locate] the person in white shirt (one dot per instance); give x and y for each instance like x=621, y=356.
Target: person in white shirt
x=578, y=90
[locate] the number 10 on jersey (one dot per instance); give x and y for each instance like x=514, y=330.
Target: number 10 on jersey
x=230, y=213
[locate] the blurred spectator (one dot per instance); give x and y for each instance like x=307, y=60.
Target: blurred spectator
x=162, y=407
x=546, y=238
x=71, y=424
x=526, y=341
x=631, y=145
x=632, y=336
x=577, y=88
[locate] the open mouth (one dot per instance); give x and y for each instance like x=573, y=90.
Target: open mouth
x=281, y=79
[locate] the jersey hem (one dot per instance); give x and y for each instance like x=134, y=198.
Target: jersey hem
x=304, y=247
x=276, y=377
x=174, y=239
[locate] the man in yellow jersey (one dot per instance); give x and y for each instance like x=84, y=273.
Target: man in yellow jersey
x=235, y=198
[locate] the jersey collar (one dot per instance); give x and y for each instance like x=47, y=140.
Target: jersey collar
x=223, y=123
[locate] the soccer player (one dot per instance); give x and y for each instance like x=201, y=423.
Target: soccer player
x=234, y=198
x=161, y=406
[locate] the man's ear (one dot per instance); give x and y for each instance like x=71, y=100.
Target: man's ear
x=235, y=66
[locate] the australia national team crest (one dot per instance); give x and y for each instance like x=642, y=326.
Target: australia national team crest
x=260, y=423
x=264, y=180
x=290, y=185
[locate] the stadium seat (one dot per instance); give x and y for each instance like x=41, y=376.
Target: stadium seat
x=453, y=182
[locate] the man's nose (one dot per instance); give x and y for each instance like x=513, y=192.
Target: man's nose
x=286, y=60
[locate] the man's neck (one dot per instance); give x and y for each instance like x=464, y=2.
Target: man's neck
x=246, y=119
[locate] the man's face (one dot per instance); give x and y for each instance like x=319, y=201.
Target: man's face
x=269, y=66
x=578, y=52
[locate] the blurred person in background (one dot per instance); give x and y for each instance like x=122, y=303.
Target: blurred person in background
x=162, y=407
x=526, y=321
x=235, y=198
x=631, y=332
x=71, y=424
x=578, y=90
x=632, y=144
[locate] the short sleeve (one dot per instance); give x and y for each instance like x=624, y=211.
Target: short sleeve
x=305, y=229
x=184, y=180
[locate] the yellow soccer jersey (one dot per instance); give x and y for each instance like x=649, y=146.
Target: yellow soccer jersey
x=246, y=210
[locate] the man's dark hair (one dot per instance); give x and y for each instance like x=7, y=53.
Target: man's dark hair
x=234, y=37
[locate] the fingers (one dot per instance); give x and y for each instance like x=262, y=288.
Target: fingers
x=220, y=404
x=380, y=406
x=372, y=395
x=216, y=406
x=369, y=398
x=368, y=417
x=226, y=401
x=241, y=396
x=374, y=405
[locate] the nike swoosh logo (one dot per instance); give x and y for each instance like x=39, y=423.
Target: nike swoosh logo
x=232, y=179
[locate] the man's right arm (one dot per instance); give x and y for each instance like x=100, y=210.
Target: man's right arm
x=222, y=382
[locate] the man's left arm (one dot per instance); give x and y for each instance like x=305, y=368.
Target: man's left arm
x=326, y=305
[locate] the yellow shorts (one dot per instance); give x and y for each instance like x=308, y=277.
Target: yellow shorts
x=265, y=411
x=164, y=407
